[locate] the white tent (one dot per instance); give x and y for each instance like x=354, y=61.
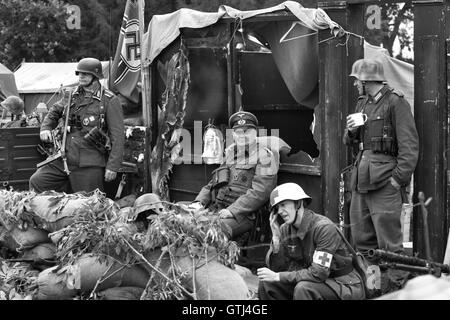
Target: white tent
x=48, y=77
x=7, y=83
x=40, y=81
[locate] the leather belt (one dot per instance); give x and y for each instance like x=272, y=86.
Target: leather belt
x=341, y=272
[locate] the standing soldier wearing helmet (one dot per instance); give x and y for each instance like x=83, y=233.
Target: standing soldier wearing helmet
x=387, y=148
x=93, y=107
x=15, y=106
x=307, y=259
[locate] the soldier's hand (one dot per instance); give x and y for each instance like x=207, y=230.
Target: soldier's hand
x=225, y=214
x=351, y=124
x=46, y=135
x=265, y=274
x=195, y=205
x=276, y=232
x=110, y=175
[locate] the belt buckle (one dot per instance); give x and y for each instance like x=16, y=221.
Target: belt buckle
x=361, y=146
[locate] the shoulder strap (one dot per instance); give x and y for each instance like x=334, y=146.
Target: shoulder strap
x=349, y=246
x=102, y=115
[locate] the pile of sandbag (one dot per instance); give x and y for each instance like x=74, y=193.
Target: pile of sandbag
x=99, y=252
x=88, y=273
x=211, y=280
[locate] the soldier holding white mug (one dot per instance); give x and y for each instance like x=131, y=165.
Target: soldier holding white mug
x=356, y=120
x=384, y=134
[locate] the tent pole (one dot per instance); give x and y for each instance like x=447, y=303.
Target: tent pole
x=145, y=75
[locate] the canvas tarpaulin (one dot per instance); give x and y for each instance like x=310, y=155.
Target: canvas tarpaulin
x=295, y=57
x=399, y=74
x=295, y=52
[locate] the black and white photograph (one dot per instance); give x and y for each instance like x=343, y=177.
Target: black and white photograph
x=225, y=155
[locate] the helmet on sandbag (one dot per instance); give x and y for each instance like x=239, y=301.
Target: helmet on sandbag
x=288, y=191
x=148, y=201
x=368, y=70
x=90, y=65
x=13, y=104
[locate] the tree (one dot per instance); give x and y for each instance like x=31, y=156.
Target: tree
x=34, y=31
x=396, y=20
x=95, y=37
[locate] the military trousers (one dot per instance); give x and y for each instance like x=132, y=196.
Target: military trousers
x=53, y=177
x=303, y=290
x=375, y=219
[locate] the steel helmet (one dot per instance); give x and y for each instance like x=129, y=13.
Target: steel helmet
x=288, y=191
x=368, y=70
x=148, y=201
x=90, y=65
x=13, y=104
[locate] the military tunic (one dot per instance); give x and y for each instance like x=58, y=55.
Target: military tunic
x=376, y=204
x=313, y=263
x=85, y=162
x=252, y=175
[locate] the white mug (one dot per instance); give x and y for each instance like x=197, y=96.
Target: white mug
x=358, y=118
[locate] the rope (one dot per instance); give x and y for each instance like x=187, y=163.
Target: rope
x=347, y=37
x=238, y=25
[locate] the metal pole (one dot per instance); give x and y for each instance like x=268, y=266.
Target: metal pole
x=145, y=76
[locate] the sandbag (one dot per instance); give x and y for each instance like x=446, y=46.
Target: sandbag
x=213, y=280
x=87, y=271
x=121, y=293
x=60, y=215
x=6, y=240
x=52, y=286
x=30, y=237
x=91, y=270
x=43, y=251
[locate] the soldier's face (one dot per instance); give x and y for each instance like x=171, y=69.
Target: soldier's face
x=286, y=210
x=359, y=85
x=85, y=79
x=244, y=136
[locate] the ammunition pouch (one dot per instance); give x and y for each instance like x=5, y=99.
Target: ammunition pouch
x=384, y=145
x=98, y=139
x=220, y=177
x=381, y=139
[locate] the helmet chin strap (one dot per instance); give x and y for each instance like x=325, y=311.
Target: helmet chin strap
x=296, y=212
x=364, y=88
x=92, y=81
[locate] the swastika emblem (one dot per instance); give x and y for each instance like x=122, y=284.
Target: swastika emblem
x=131, y=50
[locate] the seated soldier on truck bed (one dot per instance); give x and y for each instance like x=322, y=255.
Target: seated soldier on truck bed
x=15, y=106
x=243, y=182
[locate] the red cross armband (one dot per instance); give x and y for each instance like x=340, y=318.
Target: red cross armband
x=322, y=258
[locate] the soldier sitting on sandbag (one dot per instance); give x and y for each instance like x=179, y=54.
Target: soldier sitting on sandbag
x=243, y=182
